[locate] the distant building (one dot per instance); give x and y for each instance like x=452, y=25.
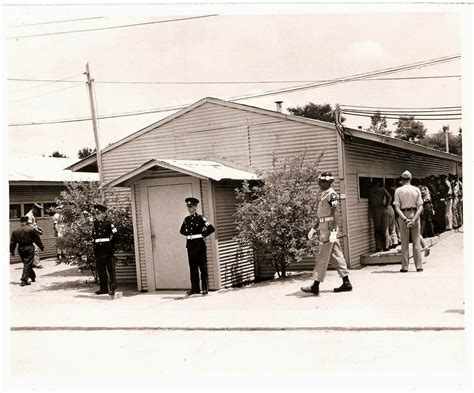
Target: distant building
x=39, y=180
x=208, y=148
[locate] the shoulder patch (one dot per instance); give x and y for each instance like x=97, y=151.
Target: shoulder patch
x=334, y=200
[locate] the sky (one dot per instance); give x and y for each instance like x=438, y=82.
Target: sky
x=269, y=46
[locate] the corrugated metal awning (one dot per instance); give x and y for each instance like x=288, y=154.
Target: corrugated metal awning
x=196, y=168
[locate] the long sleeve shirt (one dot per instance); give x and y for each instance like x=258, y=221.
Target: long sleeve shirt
x=25, y=236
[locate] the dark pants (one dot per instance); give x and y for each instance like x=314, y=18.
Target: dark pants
x=427, y=226
x=380, y=217
x=27, y=254
x=105, y=264
x=197, y=263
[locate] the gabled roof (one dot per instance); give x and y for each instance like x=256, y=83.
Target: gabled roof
x=196, y=168
x=22, y=170
x=86, y=162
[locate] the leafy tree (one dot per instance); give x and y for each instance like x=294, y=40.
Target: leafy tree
x=85, y=152
x=409, y=129
x=57, y=154
x=313, y=111
x=273, y=217
x=78, y=200
x=378, y=124
x=438, y=141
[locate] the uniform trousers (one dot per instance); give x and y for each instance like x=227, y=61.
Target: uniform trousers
x=27, y=255
x=380, y=217
x=197, y=263
x=106, y=264
x=391, y=232
x=456, y=223
x=449, y=214
x=329, y=253
x=427, y=226
x=405, y=233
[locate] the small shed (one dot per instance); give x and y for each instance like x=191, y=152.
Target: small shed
x=158, y=189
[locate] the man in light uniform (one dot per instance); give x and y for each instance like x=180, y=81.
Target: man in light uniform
x=409, y=206
x=31, y=214
x=329, y=248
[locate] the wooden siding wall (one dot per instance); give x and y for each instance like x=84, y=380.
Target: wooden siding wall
x=236, y=267
x=140, y=237
x=376, y=161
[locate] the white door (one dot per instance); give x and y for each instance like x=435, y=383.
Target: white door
x=167, y=210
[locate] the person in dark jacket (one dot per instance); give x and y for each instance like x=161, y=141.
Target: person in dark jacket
x=195, y=227
x=104, y=238
x=26, y=237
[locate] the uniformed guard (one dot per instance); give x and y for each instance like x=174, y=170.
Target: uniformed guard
x=329, y=248
x=26, y=237
x=195, y=227
x=104, y=237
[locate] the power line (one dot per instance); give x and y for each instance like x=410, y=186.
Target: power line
x=66, y=79
x=49, y=92
x=392, y=107
x=112, y=27
x=271, y=92
x=226, y=82
x=57, y=21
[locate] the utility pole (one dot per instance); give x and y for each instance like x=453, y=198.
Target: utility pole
x=446, y=136
x=90, y=82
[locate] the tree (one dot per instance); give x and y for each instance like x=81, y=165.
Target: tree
x=409, y=129
x=274, y=217
x=85, y=152
x=313, y=111
x=57, y=154
x=379, y=124
x=438, y=141
x=78, y=200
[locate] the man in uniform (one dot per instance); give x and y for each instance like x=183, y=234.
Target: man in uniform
x=58, y=230
x=195, y=227
x=31, y=215
x=329, y=247
x=26, y=237
x=379, y=200
x=104, y=238
x=409, y=205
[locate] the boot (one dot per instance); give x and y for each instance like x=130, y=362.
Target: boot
x=314, y=289
x=346, y=285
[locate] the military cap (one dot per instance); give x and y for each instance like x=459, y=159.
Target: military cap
x=100, y=207
x=23, y=219
x=326, y=176
x=39, y=205
x=406, y=175
x=191, y=201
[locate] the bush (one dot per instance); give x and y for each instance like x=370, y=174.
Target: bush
x=78, y=201
x=274, y=217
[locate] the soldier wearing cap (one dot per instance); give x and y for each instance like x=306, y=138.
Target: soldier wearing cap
x=31, y=215
x=27, y=238
x=409, y=206
x=104, y=238
x=195, y=227
x=330, y=250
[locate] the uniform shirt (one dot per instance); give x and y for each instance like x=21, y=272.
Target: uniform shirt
x=58, y=224
x=378, y=196
x=408, y=196
x=25, y=236
x=329, y=200
x=195, y=224
x=425, y=194
x=32, y=221
x=104, y=229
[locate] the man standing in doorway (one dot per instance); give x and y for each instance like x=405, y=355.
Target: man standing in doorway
x=104, y=238
x=34, y=212
x=27, y=238
x=379, y=201
x=195, y=227
x=409, y=205
x=329, y=248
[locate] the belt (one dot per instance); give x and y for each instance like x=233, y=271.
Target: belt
x=409, y=209
x=102, y=240
x=191, y=237
x=325, y=219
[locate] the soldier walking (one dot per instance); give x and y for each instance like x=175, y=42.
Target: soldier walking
x=104, y=238
x=195, y=227
x=27, y=238
x=330, y=250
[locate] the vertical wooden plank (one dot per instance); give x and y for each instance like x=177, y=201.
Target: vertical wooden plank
x=135, y=238
x=150, y=269
x=215, y=242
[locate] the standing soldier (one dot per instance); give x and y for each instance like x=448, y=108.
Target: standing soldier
x=59, y=226
x=329, y=247
x=104, y=238
x=379, y=201
x=26, y=237
x=195, y=227
x=31, y=215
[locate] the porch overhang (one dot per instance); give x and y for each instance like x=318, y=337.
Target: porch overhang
x=201, y=169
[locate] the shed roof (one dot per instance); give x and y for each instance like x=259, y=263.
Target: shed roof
x=23, y=170
x=200, y=169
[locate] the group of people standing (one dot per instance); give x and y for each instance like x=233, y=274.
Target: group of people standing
x=442, y=209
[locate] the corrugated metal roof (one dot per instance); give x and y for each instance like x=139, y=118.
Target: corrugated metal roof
x=197, y=168
x=45, y=169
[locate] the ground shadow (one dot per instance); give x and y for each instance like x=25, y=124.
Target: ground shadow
x=71, y=272
x=65, y=285
x=386, y=272
x=455, y=312
x=301, y=294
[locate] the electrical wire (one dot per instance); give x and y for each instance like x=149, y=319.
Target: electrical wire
x=392, y=107
x=57, y=21
x=398, y=118
x=49, y=92
x=50, y=82
x=112, y=27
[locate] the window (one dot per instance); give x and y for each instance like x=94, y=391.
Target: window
x=364, y=186
x=15, y=211
x=365, y=183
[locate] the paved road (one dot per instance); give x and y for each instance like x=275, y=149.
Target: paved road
x=406, y=359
